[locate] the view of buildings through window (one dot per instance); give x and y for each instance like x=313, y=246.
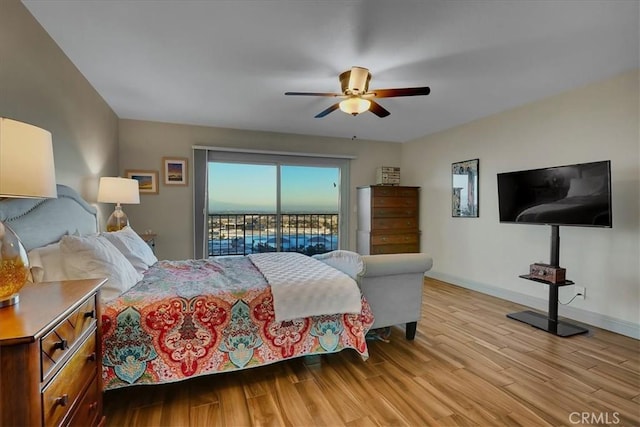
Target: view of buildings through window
x=266, y=207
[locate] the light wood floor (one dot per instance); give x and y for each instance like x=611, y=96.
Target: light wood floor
x=468, y=366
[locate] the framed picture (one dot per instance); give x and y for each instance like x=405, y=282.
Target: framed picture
x=174, y=170
x=464, y=188
x=147, y=180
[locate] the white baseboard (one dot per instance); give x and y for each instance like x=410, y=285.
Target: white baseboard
x=602, y=321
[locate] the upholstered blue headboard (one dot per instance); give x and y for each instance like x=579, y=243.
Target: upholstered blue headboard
x=38, y=222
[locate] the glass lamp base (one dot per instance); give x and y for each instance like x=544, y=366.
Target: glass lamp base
x=14, y=266
x=12, y=300
x=117, y=220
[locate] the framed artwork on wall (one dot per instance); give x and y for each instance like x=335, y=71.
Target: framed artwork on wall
x=175, y=171
x=147, y=180
x=464, y=188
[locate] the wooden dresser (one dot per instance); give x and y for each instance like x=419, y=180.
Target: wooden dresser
x=388, y=220
x=50, y=353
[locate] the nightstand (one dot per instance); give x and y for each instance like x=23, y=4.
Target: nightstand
x=50, y=355
x=150, y=239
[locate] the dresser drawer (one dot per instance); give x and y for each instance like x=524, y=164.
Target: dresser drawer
x=388, y=212
x=394, y=202
x=63, y=392
x=56, y=344
x=392, y=239
x=395, y=223
x=394, y=191
x=394, y=249
x=88, y=408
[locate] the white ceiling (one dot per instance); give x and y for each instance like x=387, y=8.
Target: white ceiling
x=228, y=63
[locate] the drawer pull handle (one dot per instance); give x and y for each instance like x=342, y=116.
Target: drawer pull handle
x=91, y=313
x=92, y=357
x=61, y=345
x=63, y=400
x=93, y=406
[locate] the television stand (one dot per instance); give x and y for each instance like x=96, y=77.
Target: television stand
x=550, y=322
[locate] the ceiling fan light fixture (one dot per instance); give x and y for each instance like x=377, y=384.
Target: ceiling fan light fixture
x=354, y=105
x=359, y=80
x=355, y=81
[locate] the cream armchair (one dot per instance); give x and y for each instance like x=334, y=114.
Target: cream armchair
x=392, y=284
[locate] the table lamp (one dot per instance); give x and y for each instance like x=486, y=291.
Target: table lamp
x=26, y=171
x=118, y=190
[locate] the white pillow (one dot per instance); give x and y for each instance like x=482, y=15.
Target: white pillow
x=46, y=264
x=95, y=257
x=348, y=262
x=136, y=250
x=35, y=266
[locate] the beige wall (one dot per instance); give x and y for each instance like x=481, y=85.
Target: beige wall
x=170, y=213
x=39, y=85
x=597, y=122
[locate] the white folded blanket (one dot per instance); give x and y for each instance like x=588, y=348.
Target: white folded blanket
x=302, y=286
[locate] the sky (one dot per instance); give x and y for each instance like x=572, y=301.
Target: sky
x=250, y=188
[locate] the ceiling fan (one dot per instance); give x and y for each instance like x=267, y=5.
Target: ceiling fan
x=357, y=96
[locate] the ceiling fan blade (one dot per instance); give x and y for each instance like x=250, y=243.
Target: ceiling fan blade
x=321, y=114
x=407, y=91
x=314, y=94
x=377, y=109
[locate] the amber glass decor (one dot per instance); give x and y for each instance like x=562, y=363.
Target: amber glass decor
x=14, y=265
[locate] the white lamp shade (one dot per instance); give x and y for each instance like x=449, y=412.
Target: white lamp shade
x=355, y=105
x=118, y=190
x=26, y=161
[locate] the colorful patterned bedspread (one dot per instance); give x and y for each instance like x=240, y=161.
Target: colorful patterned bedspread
x=197, y=317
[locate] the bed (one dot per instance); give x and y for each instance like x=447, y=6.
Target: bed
x=224, y=320
x=187, y=318
x=166, y=321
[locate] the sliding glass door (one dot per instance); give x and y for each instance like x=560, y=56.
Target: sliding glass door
x=309, y=207
x=271, y=205
x=242, y=208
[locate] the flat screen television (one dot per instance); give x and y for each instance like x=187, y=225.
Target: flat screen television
x=578, y=195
